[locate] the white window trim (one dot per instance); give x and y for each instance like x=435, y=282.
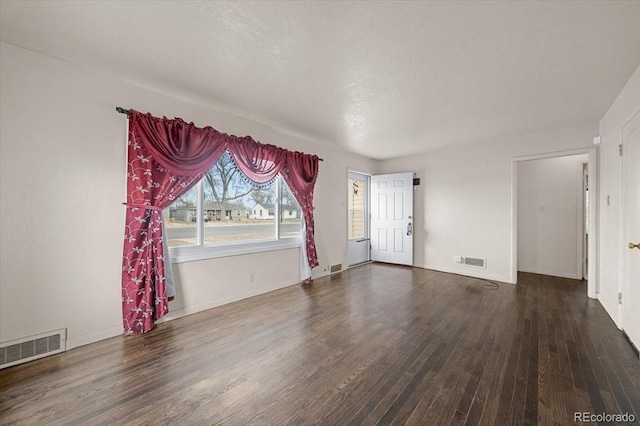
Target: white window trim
x=193, y=253
x=182, y=254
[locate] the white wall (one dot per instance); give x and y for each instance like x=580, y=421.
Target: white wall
x=62, y=182
x=550, y=216
x=463, y=206
x=611, y=234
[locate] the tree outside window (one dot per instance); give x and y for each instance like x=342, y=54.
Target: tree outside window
x=224, y=190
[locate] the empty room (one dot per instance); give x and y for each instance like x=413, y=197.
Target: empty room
x=319, y=212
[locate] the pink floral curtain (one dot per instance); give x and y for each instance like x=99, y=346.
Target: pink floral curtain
x=260, y=163
x=165, y=159
x=301, y=172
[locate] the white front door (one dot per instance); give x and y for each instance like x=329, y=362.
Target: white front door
x=358, y=244
x=392, y=218
x=631, y=283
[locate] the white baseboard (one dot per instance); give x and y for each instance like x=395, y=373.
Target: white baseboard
x=466, y=271
x=550, y=273
x=193, y=309
x=612, y=309
x=74, y=342
x=85, y=339
x=321, y=274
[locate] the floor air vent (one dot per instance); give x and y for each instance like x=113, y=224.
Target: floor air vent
x=336, y=268
x=33, y=347
x=472, y=261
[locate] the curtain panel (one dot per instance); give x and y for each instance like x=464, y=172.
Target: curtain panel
x=166, y=157
x=300, y=173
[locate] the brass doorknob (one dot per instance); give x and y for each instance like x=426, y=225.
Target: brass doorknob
x=632, y=246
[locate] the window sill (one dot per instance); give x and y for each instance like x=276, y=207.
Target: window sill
x=194, y=253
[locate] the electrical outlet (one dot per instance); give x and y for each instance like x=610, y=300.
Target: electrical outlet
x=250, y=278
x=459, y=259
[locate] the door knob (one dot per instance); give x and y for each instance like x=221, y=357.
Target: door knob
x=409, y=229
x=632, y=246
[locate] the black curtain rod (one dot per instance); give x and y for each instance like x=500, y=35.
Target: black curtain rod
x=128, y=111
x=123, y=110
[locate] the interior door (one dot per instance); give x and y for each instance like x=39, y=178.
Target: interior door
x=631, y=283
x=392, y=218
x=585, y=221
x=358, y=219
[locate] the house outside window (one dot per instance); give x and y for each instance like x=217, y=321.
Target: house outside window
x=224, y=190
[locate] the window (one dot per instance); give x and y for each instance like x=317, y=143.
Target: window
x=356, y=209
x=290, y=213
x=180, y=220
x=200, y=224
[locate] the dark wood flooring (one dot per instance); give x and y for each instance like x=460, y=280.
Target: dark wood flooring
x=378, y=344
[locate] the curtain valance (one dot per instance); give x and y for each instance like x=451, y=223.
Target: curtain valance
x=180, y=147
x=166, y=157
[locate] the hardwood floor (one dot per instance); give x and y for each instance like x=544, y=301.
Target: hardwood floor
x=378, y=344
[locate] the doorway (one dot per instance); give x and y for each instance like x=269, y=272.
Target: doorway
x=392, y=218
x=550, y=216
x=545, y=210
x=380, y=218
x=359, y=244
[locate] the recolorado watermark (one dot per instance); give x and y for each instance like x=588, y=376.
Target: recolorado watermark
x=587, y=417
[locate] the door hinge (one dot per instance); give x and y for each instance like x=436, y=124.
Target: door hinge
x=620, y=150
x=619, y=298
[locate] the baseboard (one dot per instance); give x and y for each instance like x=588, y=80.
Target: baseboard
x=467, y=272
x=610, y=309
x=550, y=273
x=633, y=346
x=194, y=309
x=74, y=342
x=322, y=274
x=85, y=339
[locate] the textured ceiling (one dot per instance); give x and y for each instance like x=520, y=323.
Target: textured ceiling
x=383, y=79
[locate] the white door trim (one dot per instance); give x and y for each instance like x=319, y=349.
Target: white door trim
x=592, y=278
x=584, y=255
x=579, y=220
x=624, y=207
x=367, y=219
